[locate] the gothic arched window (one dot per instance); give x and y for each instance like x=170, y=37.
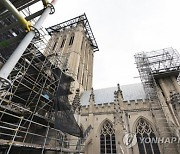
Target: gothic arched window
x=63, y=42
x=71, y=40
x=107, y=139
x=146, y=138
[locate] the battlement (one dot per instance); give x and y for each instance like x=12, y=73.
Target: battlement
x=125, y=105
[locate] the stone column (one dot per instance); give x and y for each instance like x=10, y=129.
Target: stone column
x=119, y=133
x=85, y=59
x=164, y=89
x=175, y=83
x=80, y=72
x=167, y=95
x=84, y=79
x=74, y=58
x=90, y=69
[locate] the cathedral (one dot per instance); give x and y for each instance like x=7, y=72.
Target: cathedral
x=47, y=101
x=113, y=118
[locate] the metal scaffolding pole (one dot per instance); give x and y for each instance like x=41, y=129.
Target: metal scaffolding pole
x=13, y=59
x=16, y=13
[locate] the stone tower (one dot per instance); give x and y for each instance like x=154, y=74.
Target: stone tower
x=74, y=43
x=159, y=71
x=163, y=74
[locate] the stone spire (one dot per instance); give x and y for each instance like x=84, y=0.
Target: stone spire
x=115, y=96
x=91, y=98
x=76, y=106
x=119, y=91
x=118, y=118
x=91, y=101
x=116, y=103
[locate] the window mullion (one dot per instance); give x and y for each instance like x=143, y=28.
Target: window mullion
x=111, y=143
x=105, y=143
x=152, y=149
x=144, y=148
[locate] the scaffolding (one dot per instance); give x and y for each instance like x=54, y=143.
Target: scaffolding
x=34, y=96
x=73, y=23
x=28, y=105
x=155, y=64
x=152, y=66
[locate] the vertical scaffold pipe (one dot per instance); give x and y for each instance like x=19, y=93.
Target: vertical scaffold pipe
x=16, y=55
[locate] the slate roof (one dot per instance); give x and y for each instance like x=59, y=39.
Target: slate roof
x=106, y=95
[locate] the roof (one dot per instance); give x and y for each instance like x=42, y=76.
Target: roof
x=106, y=95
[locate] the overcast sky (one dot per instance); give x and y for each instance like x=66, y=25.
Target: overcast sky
x=123, y=28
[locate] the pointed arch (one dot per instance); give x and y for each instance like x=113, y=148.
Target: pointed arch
x=146, y=137
x=63, y=41
x=101, y=124
x=71, y=40
x=146, y=119
x=107, y=138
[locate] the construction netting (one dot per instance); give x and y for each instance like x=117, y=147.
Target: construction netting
x=64, y=118
x=34, y=108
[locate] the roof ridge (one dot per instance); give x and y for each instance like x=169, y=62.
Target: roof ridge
x=116, y=86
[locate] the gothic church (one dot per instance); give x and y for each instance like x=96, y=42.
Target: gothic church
x=149, y=109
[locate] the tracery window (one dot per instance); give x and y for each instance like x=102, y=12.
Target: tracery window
x=146, y=138
x=107, y=139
